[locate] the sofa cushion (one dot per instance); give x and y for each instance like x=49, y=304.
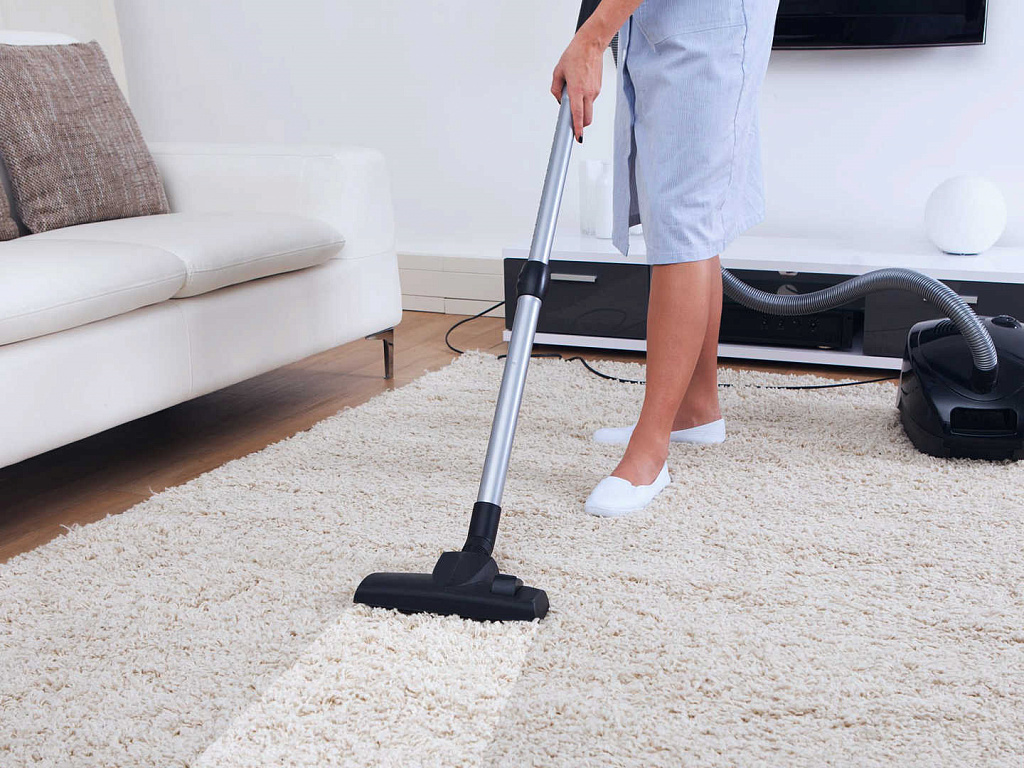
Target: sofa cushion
x=70, y=142
x=220, y=249
x=50, y=286
x=8, y=226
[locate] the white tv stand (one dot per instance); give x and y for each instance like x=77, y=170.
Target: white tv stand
x=793, y=256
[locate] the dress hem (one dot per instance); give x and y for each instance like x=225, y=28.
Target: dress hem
x=701, y=254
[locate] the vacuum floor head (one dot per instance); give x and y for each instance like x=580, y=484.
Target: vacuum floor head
x=944, y=411
x=465, y=584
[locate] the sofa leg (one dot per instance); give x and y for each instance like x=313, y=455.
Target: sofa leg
x=388, y=337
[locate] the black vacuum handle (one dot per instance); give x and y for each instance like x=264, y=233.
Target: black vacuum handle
x=586, y=11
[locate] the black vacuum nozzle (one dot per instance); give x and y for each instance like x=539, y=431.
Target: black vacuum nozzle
x=465, y=584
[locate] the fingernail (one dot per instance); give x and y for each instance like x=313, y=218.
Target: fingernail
x=580, y=138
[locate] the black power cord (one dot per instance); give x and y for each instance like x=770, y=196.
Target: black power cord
x=596, y=372
x=465, y=320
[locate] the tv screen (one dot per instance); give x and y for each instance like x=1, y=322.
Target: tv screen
x=879, y=23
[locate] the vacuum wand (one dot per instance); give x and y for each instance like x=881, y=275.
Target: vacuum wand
x=467, y=583
x=530, y=288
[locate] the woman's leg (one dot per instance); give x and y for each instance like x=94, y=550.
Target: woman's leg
x=700, y=403
x=677, y=322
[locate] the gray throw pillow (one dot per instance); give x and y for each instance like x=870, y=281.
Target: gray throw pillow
x=71, y=144
x=8, y=227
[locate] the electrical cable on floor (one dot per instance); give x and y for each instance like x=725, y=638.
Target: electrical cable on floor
x=752, y=386
x=641, y=381
x=466, y=320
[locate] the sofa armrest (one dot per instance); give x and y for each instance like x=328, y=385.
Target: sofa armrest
x=346, y=187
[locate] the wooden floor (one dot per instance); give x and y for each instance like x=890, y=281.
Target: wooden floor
x=111, y=472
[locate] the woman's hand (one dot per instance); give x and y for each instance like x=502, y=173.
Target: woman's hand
x=579, y=70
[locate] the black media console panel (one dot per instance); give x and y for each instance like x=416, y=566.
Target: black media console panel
x=834, y=329
x=889, y=315
x=588, y=298
x=609, y=300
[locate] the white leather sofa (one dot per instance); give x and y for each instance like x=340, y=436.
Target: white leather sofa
x=271, y=254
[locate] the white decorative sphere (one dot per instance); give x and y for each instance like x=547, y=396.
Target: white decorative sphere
x=966, y=215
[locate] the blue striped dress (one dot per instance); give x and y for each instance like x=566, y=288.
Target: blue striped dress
x=687, y=145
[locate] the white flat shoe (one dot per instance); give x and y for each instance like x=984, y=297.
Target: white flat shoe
x=711, y=433
x=615, y=496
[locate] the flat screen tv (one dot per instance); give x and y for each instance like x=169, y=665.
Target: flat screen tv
x=879, y=23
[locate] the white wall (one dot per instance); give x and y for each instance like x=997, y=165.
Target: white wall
x=855, y=141
x=455, y=94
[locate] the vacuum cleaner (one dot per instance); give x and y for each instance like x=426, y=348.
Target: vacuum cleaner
x=961, y=394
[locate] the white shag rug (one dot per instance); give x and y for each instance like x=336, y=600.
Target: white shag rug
x=812, y=592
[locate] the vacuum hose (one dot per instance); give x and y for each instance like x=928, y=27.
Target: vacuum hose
x=983, y=350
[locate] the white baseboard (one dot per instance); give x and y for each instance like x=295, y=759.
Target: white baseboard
x=422, y=303
x=471, y=307
x=455, y=285
x=449, y=306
